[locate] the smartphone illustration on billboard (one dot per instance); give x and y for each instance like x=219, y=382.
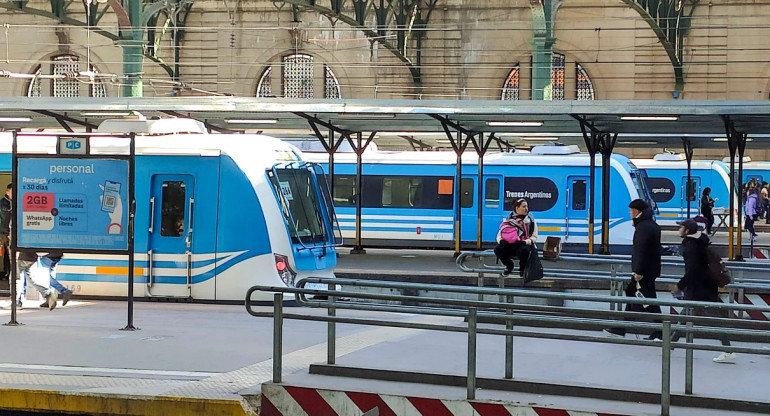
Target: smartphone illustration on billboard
x=110, y=196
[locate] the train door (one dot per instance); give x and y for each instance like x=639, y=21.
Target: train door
x=492, y=210
x=690, y=192
x=172, y=237
x=577, y=208
x=468, y=209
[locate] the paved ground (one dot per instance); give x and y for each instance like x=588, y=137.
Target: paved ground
x=220, y=352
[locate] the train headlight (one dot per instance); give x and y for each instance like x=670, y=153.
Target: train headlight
x=284, y=271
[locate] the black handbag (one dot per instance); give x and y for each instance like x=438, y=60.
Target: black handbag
x=534, y=269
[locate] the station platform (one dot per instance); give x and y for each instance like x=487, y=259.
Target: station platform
x=202, y=359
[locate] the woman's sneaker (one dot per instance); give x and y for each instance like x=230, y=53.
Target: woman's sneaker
x=725, y=358
x=506, y=272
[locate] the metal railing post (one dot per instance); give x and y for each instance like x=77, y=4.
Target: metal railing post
x=471, y=382
x=509, y=343
x=665, y=382
x=277, y=336
x=688, y=356
x=331, y=336
x=613, y=285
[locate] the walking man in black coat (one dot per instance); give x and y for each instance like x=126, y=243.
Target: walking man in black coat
x=696, y=283
x=645, y=263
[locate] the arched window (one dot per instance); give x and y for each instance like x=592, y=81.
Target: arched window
x=264, y=87
x=585, y=89
x=584, y=86
x=69, y=87
x=557, y=76
x=298, y=79
x=511, y=86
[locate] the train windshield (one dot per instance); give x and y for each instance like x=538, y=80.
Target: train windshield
x=302, y=209
x=639, y=177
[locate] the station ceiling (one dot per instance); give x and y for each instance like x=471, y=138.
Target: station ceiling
x=405, y=123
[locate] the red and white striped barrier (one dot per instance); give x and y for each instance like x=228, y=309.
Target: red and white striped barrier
x=282, y=400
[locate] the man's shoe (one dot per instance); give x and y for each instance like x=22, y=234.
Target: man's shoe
x=65, y=297
x=725, y=358
x=51, y=299
x=506, y=272
x=615, y=332
x=44, y=305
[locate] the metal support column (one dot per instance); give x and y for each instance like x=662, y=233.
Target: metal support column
x=736, y=142
x=688, y=155
x=606, y=145
x=481, y=146
x=13, y=274
x=359, y=147
x=458, y=145
x=591, y=138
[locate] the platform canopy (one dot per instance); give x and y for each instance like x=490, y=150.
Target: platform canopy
x=421, y=123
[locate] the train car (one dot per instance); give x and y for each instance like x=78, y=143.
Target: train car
x=759, y=170
x=667, y=182
x=408, y=197
x=215, y=215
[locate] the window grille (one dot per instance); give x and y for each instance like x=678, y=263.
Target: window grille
x=264, y=87
x=34, y=86
x=557, y=77
x=331, y=86
x=585, y=88
x=66, y=87
x=298, y=76
x=97, y=87
x=511, y=86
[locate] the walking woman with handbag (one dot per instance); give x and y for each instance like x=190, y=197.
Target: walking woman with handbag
x=516, y=237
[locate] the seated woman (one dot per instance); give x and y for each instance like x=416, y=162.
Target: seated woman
x=517, y=241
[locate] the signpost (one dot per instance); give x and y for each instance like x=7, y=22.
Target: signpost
x=74, y=202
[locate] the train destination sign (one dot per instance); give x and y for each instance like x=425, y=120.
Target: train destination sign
x=72, y=203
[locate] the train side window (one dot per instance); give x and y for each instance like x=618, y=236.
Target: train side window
x=344, y=190
x=579, y=194
x=401, y=192
x=172, y=221
x=466, y=192
x=492, y=194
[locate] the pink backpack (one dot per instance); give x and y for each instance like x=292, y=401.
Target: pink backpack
x=510, y=233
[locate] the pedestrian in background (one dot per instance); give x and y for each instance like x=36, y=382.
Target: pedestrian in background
x=516, y=236
x=750, y=209
x=696, y=284
x=706, y=208
x=49, y=262
x=6, y=219
x=645, y=264
x=25, y=262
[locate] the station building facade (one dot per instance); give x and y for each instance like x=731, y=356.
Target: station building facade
x=438, y=49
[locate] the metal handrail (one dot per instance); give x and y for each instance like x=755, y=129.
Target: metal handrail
x=505, y=310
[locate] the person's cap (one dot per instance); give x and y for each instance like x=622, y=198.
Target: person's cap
x=690, y=225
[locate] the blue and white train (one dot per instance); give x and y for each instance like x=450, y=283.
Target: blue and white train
x=408, y=197
x=667, y=182
x=759, y=170
x=215, y=215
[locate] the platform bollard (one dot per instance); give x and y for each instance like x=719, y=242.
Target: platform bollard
x=471, y=382
x=665, y=382
x=331, y=336
x=277, y=336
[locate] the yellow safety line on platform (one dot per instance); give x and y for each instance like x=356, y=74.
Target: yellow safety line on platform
x=117, y=404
